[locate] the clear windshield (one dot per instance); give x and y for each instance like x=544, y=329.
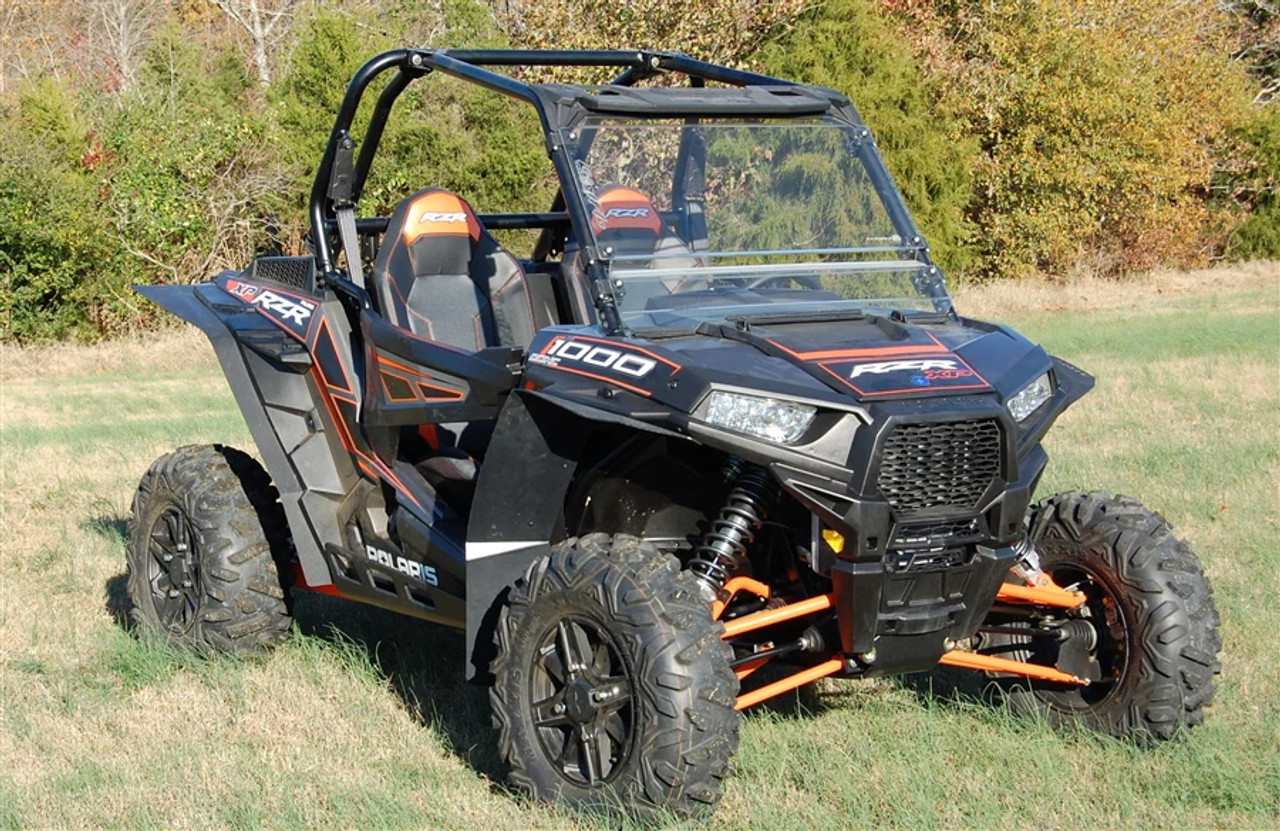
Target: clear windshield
x=719, y=219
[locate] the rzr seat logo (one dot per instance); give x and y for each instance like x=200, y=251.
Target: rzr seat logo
x=598, y=357
x=435, y=216
x=930, y=368
x=290, y=311
x=626, y=213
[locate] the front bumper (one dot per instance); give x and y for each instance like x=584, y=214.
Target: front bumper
x=909, y=581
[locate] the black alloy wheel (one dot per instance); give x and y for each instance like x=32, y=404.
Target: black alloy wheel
x=1147, y=635
x=583, y=704
x=173, y=571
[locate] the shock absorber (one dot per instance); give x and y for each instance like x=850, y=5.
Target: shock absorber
x=723, y=549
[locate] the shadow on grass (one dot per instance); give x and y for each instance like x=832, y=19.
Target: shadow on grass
x=948, y=688
x=115, y=529
x=423, y=662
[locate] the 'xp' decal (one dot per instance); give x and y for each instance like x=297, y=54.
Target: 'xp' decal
x=245, y=291
x=592, y=356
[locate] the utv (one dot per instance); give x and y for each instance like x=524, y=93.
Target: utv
x=722, y=433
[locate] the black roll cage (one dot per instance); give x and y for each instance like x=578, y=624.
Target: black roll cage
x=341, y=177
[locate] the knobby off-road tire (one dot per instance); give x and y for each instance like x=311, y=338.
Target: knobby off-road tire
x=627, y=617
x=1152, y=607
x=201, y=566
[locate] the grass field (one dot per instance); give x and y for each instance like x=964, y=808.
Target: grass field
x=362, y=720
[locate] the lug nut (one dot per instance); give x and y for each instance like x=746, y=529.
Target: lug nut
x=868, y=657
x=949, y=644
x=558, y=708
x=186, y=584
x=174, y=593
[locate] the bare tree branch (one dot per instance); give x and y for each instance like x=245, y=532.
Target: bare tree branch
x=259, y=19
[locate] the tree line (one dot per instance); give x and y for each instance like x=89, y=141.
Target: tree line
x=150, y=141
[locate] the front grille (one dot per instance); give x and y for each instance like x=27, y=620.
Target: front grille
x=939, y=465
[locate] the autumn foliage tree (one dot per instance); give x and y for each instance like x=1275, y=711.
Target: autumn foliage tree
x=724, y=31
x=1100, y=124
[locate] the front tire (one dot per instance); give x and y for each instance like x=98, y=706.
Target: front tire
x=201, y=570
x=1155, y=637
x=612, y=685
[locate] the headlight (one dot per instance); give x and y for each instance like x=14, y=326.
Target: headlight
x=767, y=418
x=1029, y=398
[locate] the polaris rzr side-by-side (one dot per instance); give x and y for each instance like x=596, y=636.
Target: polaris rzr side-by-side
x=719, y=434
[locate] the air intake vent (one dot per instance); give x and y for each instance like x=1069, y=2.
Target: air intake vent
x=941, y=465
x=298, y=273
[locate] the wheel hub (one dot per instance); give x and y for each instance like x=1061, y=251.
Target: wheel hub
x=580, y=701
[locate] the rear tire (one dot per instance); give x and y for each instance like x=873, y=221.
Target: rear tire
x=1151, y=606
x=644, y=718
x=201, y=570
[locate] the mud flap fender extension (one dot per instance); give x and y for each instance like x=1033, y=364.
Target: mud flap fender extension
x=187, y=303
x=518, y=509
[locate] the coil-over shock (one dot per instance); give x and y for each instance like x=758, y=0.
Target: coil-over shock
x=724, y=548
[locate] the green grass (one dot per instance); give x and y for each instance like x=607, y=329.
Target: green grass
x=362, y=719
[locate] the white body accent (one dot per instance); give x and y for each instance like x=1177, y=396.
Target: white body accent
x=480, y=550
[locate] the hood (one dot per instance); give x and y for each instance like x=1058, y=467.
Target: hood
x=868, y=360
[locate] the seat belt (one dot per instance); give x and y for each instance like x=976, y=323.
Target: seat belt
x=340, y=191
x=350, y=242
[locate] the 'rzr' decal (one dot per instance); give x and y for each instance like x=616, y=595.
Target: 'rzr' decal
x=901, y=366
x=288, y=311
x=293, y=313
x=906, y=375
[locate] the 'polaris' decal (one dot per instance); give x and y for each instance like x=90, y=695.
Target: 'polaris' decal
x=416, y=570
